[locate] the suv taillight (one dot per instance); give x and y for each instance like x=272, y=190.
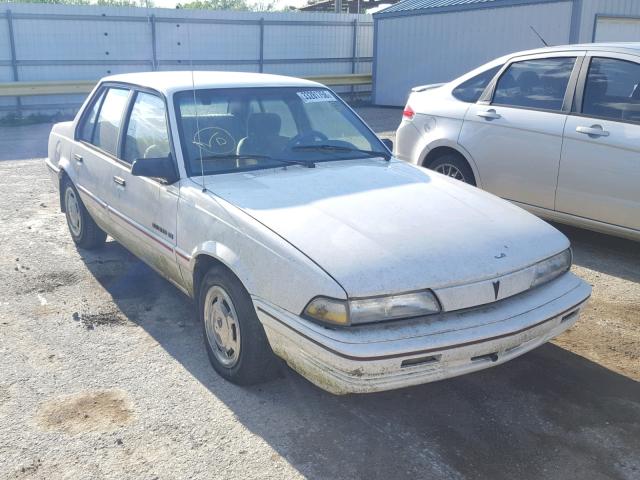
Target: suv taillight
x=408, y=112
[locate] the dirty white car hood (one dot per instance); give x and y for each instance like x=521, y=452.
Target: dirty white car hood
x=382, y=227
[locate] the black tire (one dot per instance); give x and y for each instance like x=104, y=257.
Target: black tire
x=87, y=234
x=256, y=362
x=443, y=163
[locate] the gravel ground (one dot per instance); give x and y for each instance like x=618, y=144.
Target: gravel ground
x=104, y=375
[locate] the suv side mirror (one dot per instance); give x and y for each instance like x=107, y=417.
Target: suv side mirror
x=388, y=143
x=161, y=167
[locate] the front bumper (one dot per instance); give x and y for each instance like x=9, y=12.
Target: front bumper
x=398, y=354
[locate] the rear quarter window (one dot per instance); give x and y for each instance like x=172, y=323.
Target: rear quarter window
x=470, y=90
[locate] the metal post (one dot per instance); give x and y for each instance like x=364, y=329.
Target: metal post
x=154, y=58
x=339, y=6
x=354, y=50
x=14, y=60
x=261, y=59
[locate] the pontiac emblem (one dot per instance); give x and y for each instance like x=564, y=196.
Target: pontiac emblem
x=496, y=288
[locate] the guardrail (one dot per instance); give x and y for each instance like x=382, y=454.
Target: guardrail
x=22, y=89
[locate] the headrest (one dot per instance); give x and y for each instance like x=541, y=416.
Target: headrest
x=263, y=125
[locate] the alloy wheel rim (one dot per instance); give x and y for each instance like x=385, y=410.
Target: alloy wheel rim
x=221, y=326
x=450, y=171
x=73, y=212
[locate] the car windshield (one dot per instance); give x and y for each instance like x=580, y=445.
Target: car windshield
x=228, y=129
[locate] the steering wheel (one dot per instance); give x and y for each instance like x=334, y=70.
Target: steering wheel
x=305, y=138
x=153, y=151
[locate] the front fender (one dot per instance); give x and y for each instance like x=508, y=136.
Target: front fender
x=268, y=266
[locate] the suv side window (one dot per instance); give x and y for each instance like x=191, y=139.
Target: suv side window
x=107, y=128
x=147, y=134
x=470, y=90
x=537, y=84
x=612, y=90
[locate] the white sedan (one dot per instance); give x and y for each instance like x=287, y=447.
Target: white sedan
x=555, y=130
x=271, y=203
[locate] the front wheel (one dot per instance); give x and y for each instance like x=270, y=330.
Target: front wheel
x=453, y=166
x=236, y=344
x=84, y=231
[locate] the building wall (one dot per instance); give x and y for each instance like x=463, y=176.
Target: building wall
x=58, y=42
x=422, y=49
x=591, y=8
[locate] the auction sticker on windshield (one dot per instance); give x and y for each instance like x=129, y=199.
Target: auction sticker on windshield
x=312, y=96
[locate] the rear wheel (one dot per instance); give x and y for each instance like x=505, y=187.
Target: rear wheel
x=453, y=166
x=84, y=231
x=236, y=344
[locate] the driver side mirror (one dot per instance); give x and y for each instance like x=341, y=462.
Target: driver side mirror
x=388, y=143
x=161, y=167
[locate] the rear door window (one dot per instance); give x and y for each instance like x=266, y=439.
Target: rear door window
x=537, y=84
x=107, y=128
x=89, y=120
x=612, y=90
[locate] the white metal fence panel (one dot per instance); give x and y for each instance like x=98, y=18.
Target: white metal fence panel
x=43, y=42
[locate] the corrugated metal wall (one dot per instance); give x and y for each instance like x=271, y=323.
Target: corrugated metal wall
x=421, y=49
x=55, y=42
x=591, y=8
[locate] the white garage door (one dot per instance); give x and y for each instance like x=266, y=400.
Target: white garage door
x=617, y=29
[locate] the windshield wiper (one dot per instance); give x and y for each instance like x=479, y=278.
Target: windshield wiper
x=338, y=148
x=260, y=157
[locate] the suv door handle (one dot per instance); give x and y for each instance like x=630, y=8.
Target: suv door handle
x=77, y=157
x=593, y=131
x=120, y=181
x=489, y=114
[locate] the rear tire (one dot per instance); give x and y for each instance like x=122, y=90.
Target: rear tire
x=454, y=166
x=235, y=340
x=84, y=231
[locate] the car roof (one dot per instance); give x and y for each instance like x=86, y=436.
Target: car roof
x=618, y=47
x=172, y=81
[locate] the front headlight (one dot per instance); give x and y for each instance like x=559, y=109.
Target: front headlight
x=552, y=268
x=373, y=309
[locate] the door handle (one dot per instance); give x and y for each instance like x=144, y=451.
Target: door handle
x=593, y=131
x=489, y=114
x=119, y=180
x=78, y=158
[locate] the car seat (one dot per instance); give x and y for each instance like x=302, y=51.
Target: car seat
x=263, y=135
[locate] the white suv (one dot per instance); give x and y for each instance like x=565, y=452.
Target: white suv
x=555, y=130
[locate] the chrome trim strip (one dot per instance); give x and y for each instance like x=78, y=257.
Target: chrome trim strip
x=91, y=196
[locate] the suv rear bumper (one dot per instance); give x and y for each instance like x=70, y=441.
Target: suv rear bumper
x=398, y=354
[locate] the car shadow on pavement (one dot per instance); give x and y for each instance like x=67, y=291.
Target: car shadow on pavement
x=604, y=253
x=548, y=414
